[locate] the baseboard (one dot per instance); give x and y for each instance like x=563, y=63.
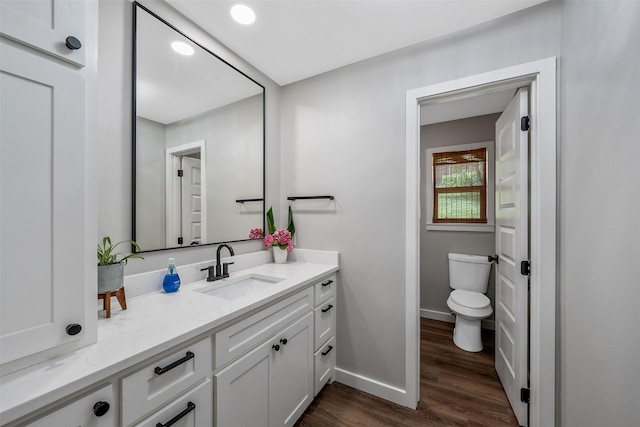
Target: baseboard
x=371, y=386
x=448, y=317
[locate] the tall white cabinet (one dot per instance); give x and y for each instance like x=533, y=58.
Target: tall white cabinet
x=45, y=279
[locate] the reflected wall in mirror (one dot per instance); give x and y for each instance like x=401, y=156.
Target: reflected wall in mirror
x=198, y=142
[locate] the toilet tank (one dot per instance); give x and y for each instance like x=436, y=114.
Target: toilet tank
x=469, y=272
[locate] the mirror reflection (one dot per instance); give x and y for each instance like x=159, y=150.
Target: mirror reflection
x=198, y=144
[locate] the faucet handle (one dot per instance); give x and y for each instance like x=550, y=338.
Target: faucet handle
x=225, y=268
x=211, y=273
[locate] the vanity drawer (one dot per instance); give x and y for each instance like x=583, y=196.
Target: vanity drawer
x=164, y=379
x=325, y=322
x=325, y=362
x=85, y=411
x=325, y=289
x=242, y=336
x=194, y=409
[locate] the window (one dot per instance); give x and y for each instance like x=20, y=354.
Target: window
x=460, y=188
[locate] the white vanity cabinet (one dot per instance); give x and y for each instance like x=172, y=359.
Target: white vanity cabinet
x=162, y=381
x=96, y=409
x=324, y=332
x=273, y=382
x=43, y=274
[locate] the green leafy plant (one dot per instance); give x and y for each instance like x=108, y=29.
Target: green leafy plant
x=108, y=256
x=271, y=223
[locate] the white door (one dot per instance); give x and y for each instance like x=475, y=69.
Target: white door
x=242, y=390
x=191, y=201
x=45, y=25
x=512, y=247
x=291, y=387
x=42, y=215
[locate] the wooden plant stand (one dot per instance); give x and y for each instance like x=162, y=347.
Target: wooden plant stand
x=106, y=297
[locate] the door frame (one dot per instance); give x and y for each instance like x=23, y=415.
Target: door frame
x=173, y=200
x=541, y=77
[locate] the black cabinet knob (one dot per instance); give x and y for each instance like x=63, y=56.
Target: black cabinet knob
x=276, y=347
x=283, y=341
x=73, y=43
x=101, y=408
x=73, y=329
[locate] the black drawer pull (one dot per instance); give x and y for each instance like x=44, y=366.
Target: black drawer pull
x=160, y=371
x=190, y=407
x=327, y=283
x=324, y=353
x=101, y=408
x=329, y=307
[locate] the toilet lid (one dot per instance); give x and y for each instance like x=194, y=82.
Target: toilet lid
x=470, y=299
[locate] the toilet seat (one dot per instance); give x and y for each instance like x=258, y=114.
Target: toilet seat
x=468, y=299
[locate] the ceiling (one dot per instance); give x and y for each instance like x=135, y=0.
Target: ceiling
x=295, y=39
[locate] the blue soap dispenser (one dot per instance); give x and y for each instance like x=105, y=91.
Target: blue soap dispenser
x=171, y=282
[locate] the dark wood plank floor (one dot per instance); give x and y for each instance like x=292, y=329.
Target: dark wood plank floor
x=457, y=388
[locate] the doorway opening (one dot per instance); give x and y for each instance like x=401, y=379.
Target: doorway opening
x=186, y=202
x=540, y=77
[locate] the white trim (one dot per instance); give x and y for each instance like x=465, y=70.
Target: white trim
x=172, y=189
x=450, y=318
x=480, y=228
x=490, y=192
x=371, y=386
x=541, y=76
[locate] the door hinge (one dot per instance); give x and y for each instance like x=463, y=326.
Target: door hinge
x=180, y=240
x=525, y=268
x=524, y=123
x=525, y=395
x=180, y=172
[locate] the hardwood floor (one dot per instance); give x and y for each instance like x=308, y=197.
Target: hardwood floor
x=457, y=388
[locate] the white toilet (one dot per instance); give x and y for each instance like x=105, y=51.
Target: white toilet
x=469, y=279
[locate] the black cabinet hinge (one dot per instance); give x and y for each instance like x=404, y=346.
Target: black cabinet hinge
x=180, y=240
x=525, y=395
x=525, y=268
x=524, y=123
x=180, y=172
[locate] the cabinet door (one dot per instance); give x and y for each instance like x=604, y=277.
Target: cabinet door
x=45, y=25
x=291, y=385
x=42, y=243
x=89, y=411
x=242, y=390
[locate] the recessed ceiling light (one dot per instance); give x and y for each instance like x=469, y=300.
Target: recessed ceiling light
x=243, y=14
x=182, y=48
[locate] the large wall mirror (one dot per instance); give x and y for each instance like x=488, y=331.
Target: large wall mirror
x=198, y=143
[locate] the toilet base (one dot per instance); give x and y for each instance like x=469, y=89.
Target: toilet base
x=467, y=335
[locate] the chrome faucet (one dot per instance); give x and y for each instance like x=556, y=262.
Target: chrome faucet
x=218, y=271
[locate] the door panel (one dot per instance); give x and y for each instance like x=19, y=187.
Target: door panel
x=42, y=209
x=45, y=25
x=191, y=201
x=512, y=246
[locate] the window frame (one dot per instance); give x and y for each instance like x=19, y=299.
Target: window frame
x=489, y=226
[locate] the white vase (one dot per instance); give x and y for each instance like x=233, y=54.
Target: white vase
x=279, y=255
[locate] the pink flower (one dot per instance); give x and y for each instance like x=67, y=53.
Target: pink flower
x=256, y=233
x=290, y=246
x=283, y=237
x=268, y=240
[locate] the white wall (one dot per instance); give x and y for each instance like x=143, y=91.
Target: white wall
x=343, y=133
x=233, y=136
x=600, y=214
x=150, y=190
x=114, y=127
x=435, y=245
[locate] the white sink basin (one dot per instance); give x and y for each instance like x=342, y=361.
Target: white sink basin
x=239, y=287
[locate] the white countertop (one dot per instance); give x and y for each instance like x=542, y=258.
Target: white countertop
x=151, y=324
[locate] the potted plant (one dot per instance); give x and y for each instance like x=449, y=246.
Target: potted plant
x=111, y=265
x=281, y=240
